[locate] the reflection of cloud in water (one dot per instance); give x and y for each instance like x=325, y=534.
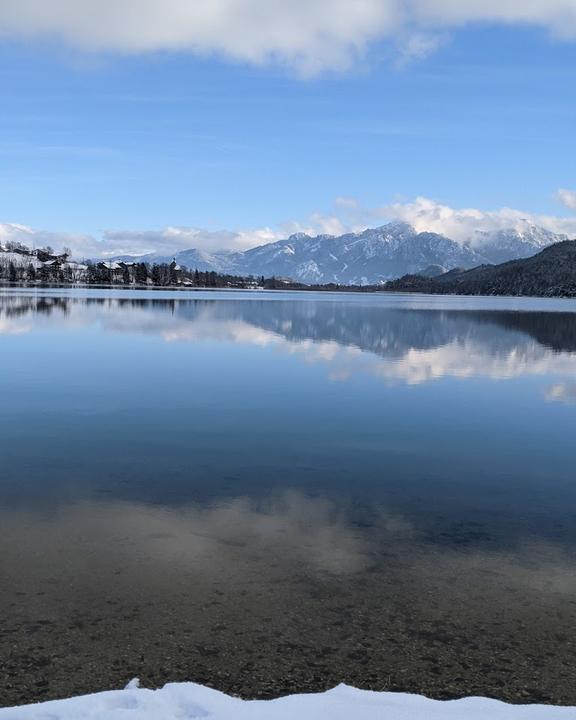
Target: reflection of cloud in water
x=562, y=392
x=275, y=591
x=458, y=358
x=240, y=542
x=305, y=531
x=455, y=359
x=299, y=531
x=10, y=326
x=472, y=360
x=540, y=568
x=413, y=346
x=225, y=331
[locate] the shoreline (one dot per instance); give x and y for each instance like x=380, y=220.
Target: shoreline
x=182, y=701
x=341, y=290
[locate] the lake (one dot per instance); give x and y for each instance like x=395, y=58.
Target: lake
x=276, y=492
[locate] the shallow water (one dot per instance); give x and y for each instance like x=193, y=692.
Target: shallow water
x=274, y=493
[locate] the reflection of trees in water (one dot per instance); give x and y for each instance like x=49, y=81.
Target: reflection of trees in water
x=15, y=307
x=383, y=330
x=392, y=332
x=556, y=331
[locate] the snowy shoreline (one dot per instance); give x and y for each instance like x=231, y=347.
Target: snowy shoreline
x=188, y=701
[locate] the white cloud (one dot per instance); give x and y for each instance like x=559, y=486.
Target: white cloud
x=347, y=203
x=418, y=46
x=348, y=215
x=317, y=224
x=558, y=16
x=120, y=242
x=467, y=224
x=311, y=35
x=140, y=242
x=567, y=197
x=173, y=239
x=13, y=232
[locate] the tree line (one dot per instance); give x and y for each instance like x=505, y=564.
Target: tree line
x=57, y=270
x=20, y=265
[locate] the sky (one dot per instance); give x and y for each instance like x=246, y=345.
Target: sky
x=169, y=124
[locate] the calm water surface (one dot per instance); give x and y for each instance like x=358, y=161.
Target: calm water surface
x=271, y=493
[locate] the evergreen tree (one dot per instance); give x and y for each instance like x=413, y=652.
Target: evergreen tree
x=156, y=275
x=141, y=273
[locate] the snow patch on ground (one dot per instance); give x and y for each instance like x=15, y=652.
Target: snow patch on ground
x=187, y=701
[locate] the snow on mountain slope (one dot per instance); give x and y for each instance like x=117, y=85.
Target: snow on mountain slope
x=515, y=243
x=223, y=261
x=372, y=256
x=187, y=701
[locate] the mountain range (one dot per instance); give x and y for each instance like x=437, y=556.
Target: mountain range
x=549, y=273
x=369, y=257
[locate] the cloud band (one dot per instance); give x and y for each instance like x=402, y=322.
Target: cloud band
x=310, y=35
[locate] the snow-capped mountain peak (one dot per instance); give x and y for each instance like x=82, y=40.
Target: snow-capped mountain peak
x=523, y=240
x=371, y=256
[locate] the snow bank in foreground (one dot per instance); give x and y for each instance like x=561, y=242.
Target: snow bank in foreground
x=186, y=701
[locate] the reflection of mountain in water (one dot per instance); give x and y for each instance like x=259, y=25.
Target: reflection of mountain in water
x=392, y=332
x=381, y=329
x=234, y=511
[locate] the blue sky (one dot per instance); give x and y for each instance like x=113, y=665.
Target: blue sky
x=96, y=140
